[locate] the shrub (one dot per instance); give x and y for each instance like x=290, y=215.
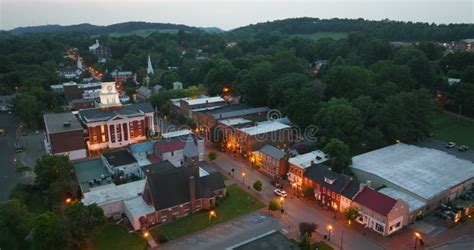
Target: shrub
x=257, y=185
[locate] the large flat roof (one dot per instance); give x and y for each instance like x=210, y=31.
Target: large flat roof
x=114, y=193
x=413, y=203
x=61, y=122
x=306, y=160
x=422, y=171
x=272, y=240
x=264, y=127
x=199, y=101
x=91, y=170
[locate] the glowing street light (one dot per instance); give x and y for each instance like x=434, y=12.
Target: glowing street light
x=146, y=234
x=418, y=238
x=212, y=214
x=68, y=200
x=329, y=232
x=243, y=177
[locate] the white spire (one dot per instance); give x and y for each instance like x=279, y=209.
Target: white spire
x=149, y=70
x=79, y=63
x=97, y=42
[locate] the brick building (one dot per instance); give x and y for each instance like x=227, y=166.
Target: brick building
x=102, y=52
x=300, y=163
x=64, y=135
x=113, y=127
x=272, y=161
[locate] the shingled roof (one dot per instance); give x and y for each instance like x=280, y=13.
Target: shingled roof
x=333, y=181
x=375, y=201
x=190, y=149
x=170, y=187
x=102, y=114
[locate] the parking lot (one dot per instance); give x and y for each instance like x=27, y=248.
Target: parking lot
x=441, y=145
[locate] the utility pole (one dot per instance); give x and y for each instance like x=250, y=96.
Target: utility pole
x=342, y=238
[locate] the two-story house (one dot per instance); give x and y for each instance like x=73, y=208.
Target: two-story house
x=272, y=161
x=299, y=164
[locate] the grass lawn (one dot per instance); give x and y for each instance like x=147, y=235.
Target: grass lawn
x=237, y=204
x=112, y=236
x=319, y=35
x=322, y=246
x=447, y=128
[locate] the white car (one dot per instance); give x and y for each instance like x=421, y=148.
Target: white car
x=450, y=144
x=280, y=192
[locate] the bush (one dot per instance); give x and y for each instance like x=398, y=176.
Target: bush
x=257, y=185
x=161, y=238
x=274, y=205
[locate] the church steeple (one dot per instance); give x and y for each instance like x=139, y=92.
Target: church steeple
x=149, y=70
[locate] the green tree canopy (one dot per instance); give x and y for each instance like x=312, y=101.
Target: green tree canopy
x=339, y=153
x=49, y=232
x=15, y=224
x=347, y=81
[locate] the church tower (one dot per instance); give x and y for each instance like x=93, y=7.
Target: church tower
x=191, y=155
x=109, y=95
x=149, y=70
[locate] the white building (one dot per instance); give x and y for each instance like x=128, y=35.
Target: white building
x=300, y=163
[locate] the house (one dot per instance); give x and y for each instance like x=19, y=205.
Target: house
x=249, y=139
x=102, y=52
x=118, y=126
x=299, y=164
x=64, y=135
x=157, y=88
x=428, y=175
x=380, y=212
x=177, y=85
x=6, y=102
x=272, y=161
x=121, y=76
x=73, y=90
x=172, y=148
x=331, y=189
x=143, y=93
x=121, y=162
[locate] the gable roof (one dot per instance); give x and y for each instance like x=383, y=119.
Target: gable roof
x=119, y=158
x=272, y=151
x=375, y=201
x=170, y=187
x=322, y=175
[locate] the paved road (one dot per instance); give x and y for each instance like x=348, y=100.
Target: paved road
x=8, y=176
x=227, y=234
x=296, y=210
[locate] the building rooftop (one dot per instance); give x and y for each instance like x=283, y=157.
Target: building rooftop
x=333, y=181
x=272, y=240
x=114, y=193
x=176, y=133
x=119, y=158
x=157, y=167
x=104, y=114
x=375, y=201
x=422, y=171
x=272, y=151
x=264, y=127
x=88, y=172
x=138, y=207
x=190, y=148
x=306, y=160
x=204, y=100
x=234, y=121
x=413, y=203
x=61, y=122
x=240, y=112
x=142, y=147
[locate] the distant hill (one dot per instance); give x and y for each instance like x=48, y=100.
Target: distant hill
x=127, y=27
x=385, y=29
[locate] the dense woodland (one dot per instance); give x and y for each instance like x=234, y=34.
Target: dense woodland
x=369, y=93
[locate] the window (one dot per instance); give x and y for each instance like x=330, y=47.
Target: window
x=379, y=227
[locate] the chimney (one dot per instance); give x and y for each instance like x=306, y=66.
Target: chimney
x=192, y=192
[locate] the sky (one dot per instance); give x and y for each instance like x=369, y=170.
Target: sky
x=225, y=14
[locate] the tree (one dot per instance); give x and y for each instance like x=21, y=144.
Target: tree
x=15, y=224
x=388, y=71
x=308, y=192
x=339, y=119
x=468, y=75
x=347, y=81
x=82, y=220
x=212, y=156
x=419, y=65
x=257, y=185
x=29, y=109
x=307, y=228
x=52, y=168
x=274, y=205
x=351, y=213
x=339, y=152
x=49, y=232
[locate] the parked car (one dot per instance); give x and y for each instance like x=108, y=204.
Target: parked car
x=18, y=146
x=279, y=192
x=463, y=148
x=451, y=144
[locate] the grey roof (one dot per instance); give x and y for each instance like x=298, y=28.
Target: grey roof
x=157, y=167
x=91, y=170
x=103, y=114
x=190, y=149
x=170, y=187
x=413, y=203
x=422, y=171
x=61, y=122
x=272, y=151
x=341, y=184
x=144, y=91
x=240, y=112
x=272, y=240
x=119, y=158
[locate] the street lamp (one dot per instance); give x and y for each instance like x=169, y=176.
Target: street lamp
x=293, y=185
x=329, y=232
x=146, y=234
x=212, y=213
x=68, y=200
x=418, y=238
x=243, y=177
